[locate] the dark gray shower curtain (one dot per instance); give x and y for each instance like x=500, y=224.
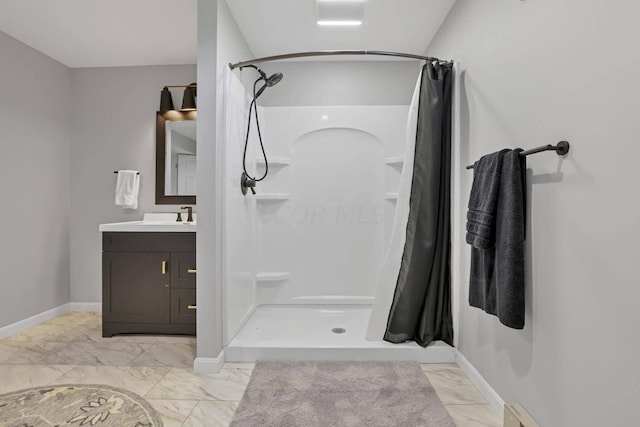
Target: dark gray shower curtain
x=421, y=308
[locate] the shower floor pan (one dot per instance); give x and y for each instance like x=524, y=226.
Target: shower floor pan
x=322, y=332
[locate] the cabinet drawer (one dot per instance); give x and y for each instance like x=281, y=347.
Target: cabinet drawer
x=181, y=299
x=148, y=242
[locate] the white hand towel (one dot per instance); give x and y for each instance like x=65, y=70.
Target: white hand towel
x=127, y=187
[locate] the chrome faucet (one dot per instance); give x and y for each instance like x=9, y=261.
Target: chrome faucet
x=189, y=213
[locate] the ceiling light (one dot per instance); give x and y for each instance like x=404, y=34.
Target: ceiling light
x=339, y=12
x=340, y=23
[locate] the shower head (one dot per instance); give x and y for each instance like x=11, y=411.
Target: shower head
x=272, y=80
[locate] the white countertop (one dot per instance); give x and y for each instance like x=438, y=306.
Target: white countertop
x=154, y=222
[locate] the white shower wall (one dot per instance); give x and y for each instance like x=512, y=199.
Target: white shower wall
x=324, y=212
x=303, y=255
x=239, y=258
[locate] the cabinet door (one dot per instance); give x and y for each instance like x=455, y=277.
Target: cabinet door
x=181, y=263
x=136, y=287
x=181, y=299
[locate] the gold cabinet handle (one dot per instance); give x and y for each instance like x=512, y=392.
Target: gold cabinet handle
x=164, y=267
x=191, y=307
x=192, y=270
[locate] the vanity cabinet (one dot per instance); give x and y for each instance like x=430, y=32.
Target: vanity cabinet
x=148, y=283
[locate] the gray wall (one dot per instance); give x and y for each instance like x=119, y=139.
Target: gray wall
x=219, y=42
x=114, y=127
x=339, y=83
x=208, y=241
x=536, y=72
x=35, y=141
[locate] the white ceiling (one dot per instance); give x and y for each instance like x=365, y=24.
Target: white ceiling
x=105, y=33
x=273, y=27
x=95, y=33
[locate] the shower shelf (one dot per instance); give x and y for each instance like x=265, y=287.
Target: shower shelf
x=394, y=161
x=272, y=276
x=275, y=161
x=391, y=196
x=272, y=197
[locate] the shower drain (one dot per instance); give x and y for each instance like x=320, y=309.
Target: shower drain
x=338, y=330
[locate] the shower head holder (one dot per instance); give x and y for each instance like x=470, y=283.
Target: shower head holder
x=269, y=81
x=247, y=183
x=262, y=73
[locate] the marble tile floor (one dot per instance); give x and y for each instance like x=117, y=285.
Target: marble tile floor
x=70, y=349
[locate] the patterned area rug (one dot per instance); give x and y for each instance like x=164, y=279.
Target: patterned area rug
x=76, y=405
x=309, y=394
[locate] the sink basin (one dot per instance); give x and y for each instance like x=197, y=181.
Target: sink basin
x=153, y=222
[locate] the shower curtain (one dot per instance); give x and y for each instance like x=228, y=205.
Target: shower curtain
x=418, y=259
x=388, y=272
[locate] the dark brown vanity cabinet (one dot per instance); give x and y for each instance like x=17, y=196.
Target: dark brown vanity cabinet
x=148, y=283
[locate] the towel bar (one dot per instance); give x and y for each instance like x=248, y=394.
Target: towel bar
x=561, y=148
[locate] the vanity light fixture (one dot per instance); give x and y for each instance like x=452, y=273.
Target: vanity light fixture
x=188, y=98
x=166, y=101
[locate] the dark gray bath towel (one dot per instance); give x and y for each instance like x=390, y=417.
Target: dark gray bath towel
x=497, y=273
x=481, y=216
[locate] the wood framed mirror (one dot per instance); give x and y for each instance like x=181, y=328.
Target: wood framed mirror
x=176, y=157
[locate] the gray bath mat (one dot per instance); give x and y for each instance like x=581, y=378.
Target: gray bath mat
x=309, y=394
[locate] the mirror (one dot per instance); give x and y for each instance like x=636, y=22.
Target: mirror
x=176, y=157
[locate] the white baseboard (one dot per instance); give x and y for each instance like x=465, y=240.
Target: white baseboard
x=86, y=306
x=30, y=322
x=481, y=384
x=209, y=365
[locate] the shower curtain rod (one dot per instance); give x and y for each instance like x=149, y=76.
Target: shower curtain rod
x=332, y=53
x=561, y=148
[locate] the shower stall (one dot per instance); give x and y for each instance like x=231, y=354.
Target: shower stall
x=303, y=256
